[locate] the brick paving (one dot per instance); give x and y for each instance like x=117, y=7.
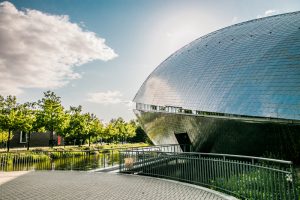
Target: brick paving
x=65, y=185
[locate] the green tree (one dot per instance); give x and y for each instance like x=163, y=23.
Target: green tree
x=51, y=114
x=94, y=127
x=3, y=136
x=78, y=124
x=10, y=116
x=29, y=121
x=64, y=130
x=140, y=136
x=110, y=131
x=118, y=128
x=122, y=129
x=130, y=129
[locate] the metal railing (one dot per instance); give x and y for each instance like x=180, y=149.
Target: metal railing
x=72, y=160
x=165, y=148
x=58, y=160
x=244, y=177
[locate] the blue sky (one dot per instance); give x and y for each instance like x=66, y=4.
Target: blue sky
x=140, y=34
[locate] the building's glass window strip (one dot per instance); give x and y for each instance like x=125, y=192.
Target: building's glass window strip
x=153, y=107
x=162, y=108
x=180, y=110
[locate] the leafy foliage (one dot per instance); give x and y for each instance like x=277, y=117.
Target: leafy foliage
x=140, y=136
x=4, y=136
x=51, y=114
x=11, y=118
x=48, y=115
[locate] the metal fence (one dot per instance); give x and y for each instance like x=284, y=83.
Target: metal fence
x=58, y=160
x=241, y=176
x=72, y=160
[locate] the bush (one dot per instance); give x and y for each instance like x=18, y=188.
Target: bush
x=66, y=154
x=257, y=184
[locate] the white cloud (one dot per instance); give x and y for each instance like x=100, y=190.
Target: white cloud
x=268, y=13
x=109, y=97
x=39, y=50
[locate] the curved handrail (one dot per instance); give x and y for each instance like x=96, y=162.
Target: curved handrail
x=245, y=177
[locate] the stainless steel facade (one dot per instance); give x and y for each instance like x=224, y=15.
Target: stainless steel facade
x=247, y=73
x=252, y=68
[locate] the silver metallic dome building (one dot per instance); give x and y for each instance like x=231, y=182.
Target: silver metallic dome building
x=235, y=90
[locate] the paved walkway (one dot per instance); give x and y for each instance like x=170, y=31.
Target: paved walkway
x=65, y=185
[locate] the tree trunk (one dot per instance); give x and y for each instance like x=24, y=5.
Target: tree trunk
x=8, y=140
x=28, y=140
x=79, y=142
x=89, y=140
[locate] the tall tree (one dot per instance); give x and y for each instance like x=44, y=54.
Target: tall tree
x=29, y=122
x=10, y=116
x=95, y=127
x=110, y=131
x=119, y=128
x=64, y=130
x=51, y=115
x=140, y=136
x=130, y=129
x=78, y=123
x=123, y=130
x=3, y=133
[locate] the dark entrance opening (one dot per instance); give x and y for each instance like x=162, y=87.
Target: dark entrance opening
x=184, y=141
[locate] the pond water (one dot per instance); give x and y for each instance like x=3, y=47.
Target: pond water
x=45, y=162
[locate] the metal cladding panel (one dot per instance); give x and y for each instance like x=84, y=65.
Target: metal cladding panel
x=251, y=68
x=221, y=135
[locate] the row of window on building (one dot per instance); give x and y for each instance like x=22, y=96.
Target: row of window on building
x=180, y=110
x=172, y=109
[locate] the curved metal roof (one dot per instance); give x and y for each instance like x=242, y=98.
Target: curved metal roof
x=251, y=68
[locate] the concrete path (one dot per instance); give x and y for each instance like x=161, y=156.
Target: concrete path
x=65, y=185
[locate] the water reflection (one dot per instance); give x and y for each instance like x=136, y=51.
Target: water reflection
x=85, y=161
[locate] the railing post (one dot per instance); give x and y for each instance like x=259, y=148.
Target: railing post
x=112, y=160
x=294, y=181
x=104, y=159
x=120, y=161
